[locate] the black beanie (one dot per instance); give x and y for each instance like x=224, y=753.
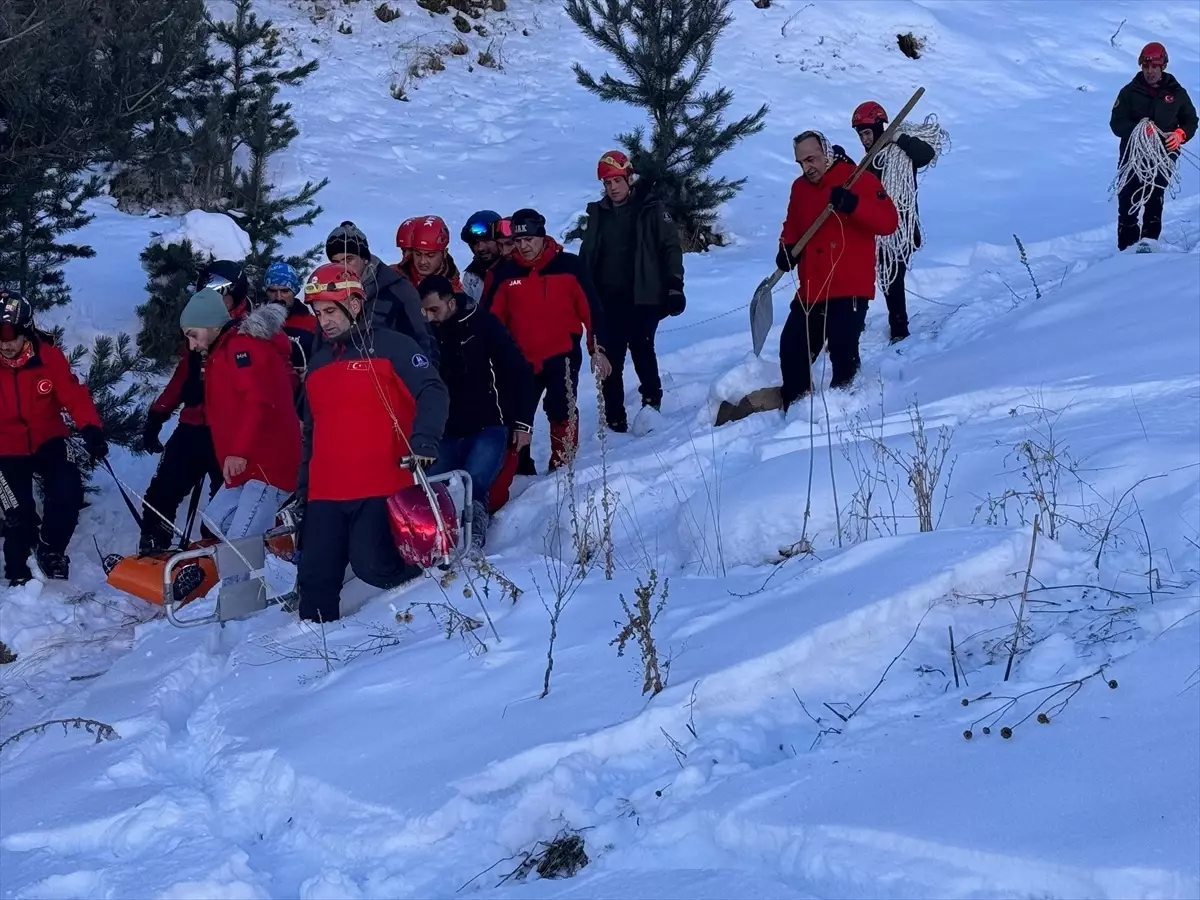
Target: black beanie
x=347, y=238
x=528, y=223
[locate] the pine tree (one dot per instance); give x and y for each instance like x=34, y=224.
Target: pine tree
x=260, y=125
x=665, y=48
x=37, y=209
x=267, y=216
x=171, y=273
x=115, y=376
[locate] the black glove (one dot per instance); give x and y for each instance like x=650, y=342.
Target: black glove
x=784, y=260
x=94, y=442
x=154, y=424
x=416, y=461
x=901, y=141
x=843, y=200
x=676, y=303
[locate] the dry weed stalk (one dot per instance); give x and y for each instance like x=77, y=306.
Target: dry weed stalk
x=639, y=625
x=101, y=731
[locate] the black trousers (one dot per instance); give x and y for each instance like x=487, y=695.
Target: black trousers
x=897, y=304
x=1129, y=231
x=337, y=532
x=837, y=324
x=550, y=387
x=632, y=329
x=62, y=498
x=187, y=457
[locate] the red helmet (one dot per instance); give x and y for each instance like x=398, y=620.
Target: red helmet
x=868, y=114
x=404, y=234
x=613, y=164
x=1153, y=53
x=335, y=282
x=430, y=233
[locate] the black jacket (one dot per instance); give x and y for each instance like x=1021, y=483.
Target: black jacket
x=658, y=259
x=394, y=303
x=489, y=379
x=1166, y=104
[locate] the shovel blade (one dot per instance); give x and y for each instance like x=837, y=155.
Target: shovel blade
x=762, y=315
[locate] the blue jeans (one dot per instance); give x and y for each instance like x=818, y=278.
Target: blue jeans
x=481, y=454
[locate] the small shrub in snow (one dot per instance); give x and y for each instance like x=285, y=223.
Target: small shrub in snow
x=1025, y=262
x=640, y=617
x=345, y=28
x=6, y=655
x=459, y=48
x=910, y=45
x=562, y=857
x=486, y=59
x=385, y=13
x=461, y=23
x=100, y=730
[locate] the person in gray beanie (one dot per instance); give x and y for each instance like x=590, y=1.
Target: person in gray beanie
x=392, y=301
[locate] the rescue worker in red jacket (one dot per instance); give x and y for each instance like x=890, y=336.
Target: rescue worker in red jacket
x=249, y=388
x=836, y=270
x=282, y=284
x=188, y=455
x=375, y=408
x=429, y=256
x=36, y=386
x=544, y=296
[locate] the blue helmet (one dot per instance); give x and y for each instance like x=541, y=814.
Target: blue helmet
x=280, y=274
x=479, y=226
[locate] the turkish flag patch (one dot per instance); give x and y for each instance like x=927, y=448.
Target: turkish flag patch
x=242, y=359
x=1169, y=98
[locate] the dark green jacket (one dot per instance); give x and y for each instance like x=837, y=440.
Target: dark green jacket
x=1166, y=104
x=658, y=261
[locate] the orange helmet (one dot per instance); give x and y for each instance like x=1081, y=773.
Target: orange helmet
x=404, y=234
x=430, y=234
x=613, y=164
x=333, y=282
x=868, y=114
x=1153, y=53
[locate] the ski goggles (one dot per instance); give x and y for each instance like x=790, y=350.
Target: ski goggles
x=221, y=285
x=479, y=230
x=504, y=229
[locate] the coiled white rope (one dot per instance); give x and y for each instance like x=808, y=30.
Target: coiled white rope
x=895, y=170
x=1145, y=162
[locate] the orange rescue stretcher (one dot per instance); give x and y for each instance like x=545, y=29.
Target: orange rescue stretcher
x=428, y=527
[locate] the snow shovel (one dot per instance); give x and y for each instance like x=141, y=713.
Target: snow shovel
x=761, y=311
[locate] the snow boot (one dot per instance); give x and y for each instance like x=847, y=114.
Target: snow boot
x=564, y=441
x=53, y=565
x=1145, y=246
x=649, y=417
x=153, y=542
x=618, y=426
x=18, y=575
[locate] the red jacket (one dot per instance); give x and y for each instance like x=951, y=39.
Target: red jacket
x=248, y=398
x=186, y=388
x=449, y=271
x=545, y=303
x=839, y=261
x=34, y=391
x=362, y=414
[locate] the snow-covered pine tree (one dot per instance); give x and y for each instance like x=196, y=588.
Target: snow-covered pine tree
x=38, y=207
x=665, y=48
x=171, y=273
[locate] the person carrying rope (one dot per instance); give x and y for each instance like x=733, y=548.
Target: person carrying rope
x=375, y=410
x=897, y=165
x=836, y=270
x=1154, y=117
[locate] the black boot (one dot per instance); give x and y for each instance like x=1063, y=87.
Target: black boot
x=53, y=565
x=18, y=575
x=153, y=542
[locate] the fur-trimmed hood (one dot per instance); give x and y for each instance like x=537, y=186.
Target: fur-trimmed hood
x=264, y=322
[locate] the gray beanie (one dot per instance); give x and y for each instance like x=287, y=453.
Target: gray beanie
x=206, y=309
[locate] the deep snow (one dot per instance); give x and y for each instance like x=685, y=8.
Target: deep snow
x=248, y=766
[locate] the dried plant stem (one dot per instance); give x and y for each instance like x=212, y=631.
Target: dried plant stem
x=1012, y=653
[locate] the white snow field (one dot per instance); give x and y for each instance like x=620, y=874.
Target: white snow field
x=810, y=738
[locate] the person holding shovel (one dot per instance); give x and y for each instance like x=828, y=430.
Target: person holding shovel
x=835, y=271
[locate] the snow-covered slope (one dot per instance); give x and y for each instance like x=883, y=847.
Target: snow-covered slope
x=809, y=742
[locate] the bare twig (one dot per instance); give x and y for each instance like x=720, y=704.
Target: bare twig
x=1024, y=598
x=102, y=731
x=895, y=659
x=1113, y=40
